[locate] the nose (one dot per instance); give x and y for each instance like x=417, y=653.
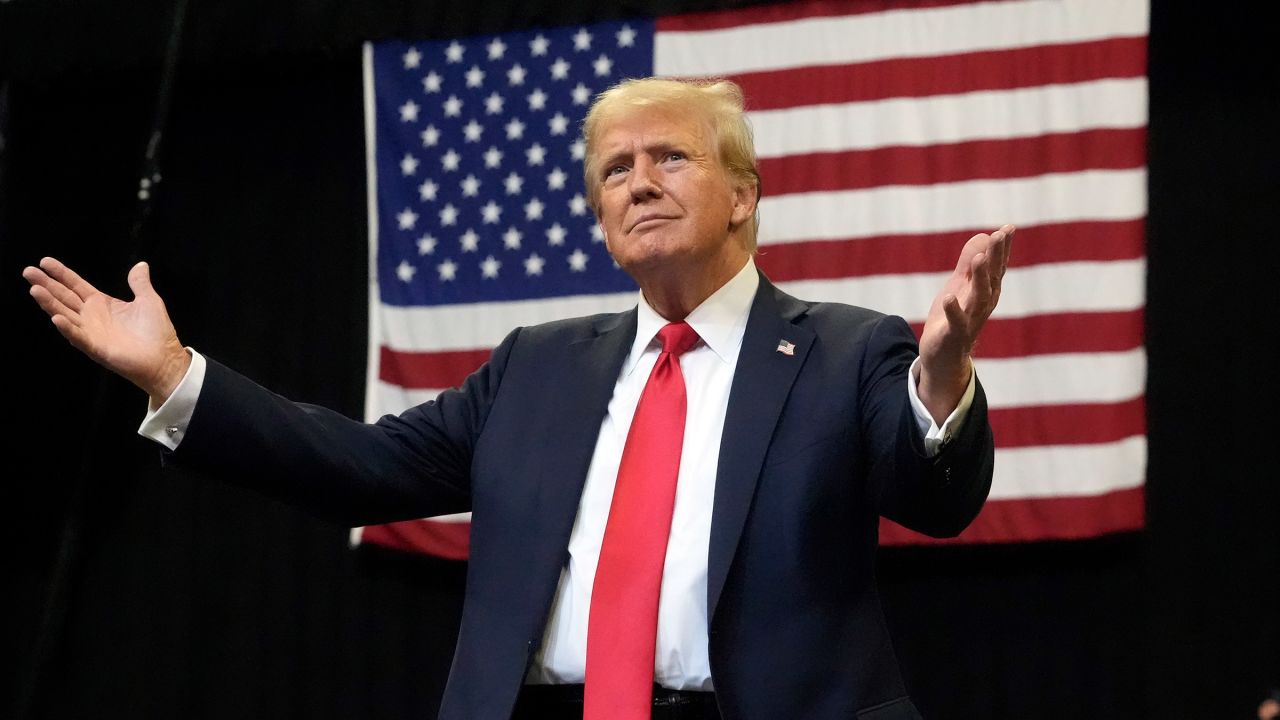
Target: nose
x=643, y=181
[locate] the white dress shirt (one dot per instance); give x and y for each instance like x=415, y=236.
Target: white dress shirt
x=681, y=660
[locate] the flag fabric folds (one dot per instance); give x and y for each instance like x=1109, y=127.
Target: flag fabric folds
x=888, y=132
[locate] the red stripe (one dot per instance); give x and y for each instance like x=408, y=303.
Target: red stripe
x=1068, y=424
x=1058, y=518
x=1056, y=333
x=449, y=540
x=783, y=12
x=1111, y=149
x=1088, y=241
x=945, y=74
x=429, y=370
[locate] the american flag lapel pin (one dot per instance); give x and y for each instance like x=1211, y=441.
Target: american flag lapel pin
x=786, y=347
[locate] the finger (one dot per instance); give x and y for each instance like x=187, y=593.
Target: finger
x=955, y=316
x=52, y=305
x=140, y=280
x=65, y=275
x=972, y=247
x=980, y=283
x=71, y=332
x=38, y=278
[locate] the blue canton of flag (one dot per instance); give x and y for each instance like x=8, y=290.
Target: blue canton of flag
x=480, y=193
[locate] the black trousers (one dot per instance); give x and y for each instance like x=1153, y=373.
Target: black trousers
x=564, y=702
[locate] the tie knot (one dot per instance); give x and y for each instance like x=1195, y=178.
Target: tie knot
x=677, y=338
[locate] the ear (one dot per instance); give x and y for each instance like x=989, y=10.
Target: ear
x=745, y=199
x=604, y=233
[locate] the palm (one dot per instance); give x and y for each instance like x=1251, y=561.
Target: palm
x=134, y=339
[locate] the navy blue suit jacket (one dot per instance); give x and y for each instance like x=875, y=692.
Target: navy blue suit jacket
x=816, y=446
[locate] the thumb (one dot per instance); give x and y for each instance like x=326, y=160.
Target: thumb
x=140, y=280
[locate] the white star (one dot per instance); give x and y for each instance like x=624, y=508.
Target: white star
x=538, y=46
x=450, y=160
x=597, y=235
x=533, y=209
x=427, y=191
x=430, y=136
x=411, y=58
x=511, y=238
x=578, y=205
x=533, y=264
x=581, y=94
x=493, y=104
x=453, y=53
x=471, y=131
x=515, y=129
x=559, y=69
x=582, y=40
x=448, y=215
x=578, y=261
x=469, y=241
x=492, y=157
x=536, y=153
x=409, y=112
x=559, y=124
x=556, y=234
x=475, y=77
x=470, y=186
x=578, y=149
x=448, y=270
x=626, y=36
x=406, y=219
x=489, y=268
x=452, y=106
x=496, y=49
x=603, y=65
x=405, y=271
x=426, y=245
x=514, y=182
x=537, y=99
x=409, y=165
x=555, y=180
x=515, y=76
x=491, y=212
x=431, y=83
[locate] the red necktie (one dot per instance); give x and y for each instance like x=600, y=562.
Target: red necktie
x=622, y=629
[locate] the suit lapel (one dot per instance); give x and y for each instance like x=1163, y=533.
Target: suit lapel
x=591, y=367
x=761, y=383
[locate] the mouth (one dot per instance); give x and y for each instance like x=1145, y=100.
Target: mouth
x=650, y=220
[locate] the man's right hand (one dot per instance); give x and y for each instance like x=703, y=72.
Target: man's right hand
x=135, y=340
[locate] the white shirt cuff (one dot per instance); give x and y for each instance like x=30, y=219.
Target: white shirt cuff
x=168, y=423
x=935, y=435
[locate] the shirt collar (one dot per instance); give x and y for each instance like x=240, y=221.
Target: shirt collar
x=721, y=320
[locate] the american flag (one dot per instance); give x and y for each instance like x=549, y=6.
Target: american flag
x=888, y=133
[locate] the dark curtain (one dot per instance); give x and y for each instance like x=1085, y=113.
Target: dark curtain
x=147, y=593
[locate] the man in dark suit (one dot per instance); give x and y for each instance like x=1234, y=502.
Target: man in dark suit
x=795, y=426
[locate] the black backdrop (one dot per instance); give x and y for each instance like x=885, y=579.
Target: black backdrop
x=157, y=594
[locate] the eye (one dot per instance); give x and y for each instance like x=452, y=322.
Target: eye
x=615, y=170
x=675, y=155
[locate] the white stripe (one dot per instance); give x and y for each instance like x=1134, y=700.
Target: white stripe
x=484, y=325
x=1032, y=381
x=904, y=210
x=1065, y=379
x=371, y=199
x=1050, y=288
x=393, y=399
x=1035, y=290
x=1069, y=470
x=928, y=32
x=938, y=119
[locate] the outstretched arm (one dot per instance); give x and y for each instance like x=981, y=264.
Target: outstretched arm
x=957, y=316
x=135, y=339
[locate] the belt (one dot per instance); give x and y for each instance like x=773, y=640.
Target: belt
x=560, y=702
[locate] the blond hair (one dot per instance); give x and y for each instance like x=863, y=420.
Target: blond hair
x=719, y=102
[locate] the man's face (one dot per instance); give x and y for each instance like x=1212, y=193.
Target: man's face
x=665, y=196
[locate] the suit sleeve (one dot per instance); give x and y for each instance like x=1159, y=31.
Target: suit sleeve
x=936, y=495
x=413, y=465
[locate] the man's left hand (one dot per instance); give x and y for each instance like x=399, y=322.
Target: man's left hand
x=957, y=316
